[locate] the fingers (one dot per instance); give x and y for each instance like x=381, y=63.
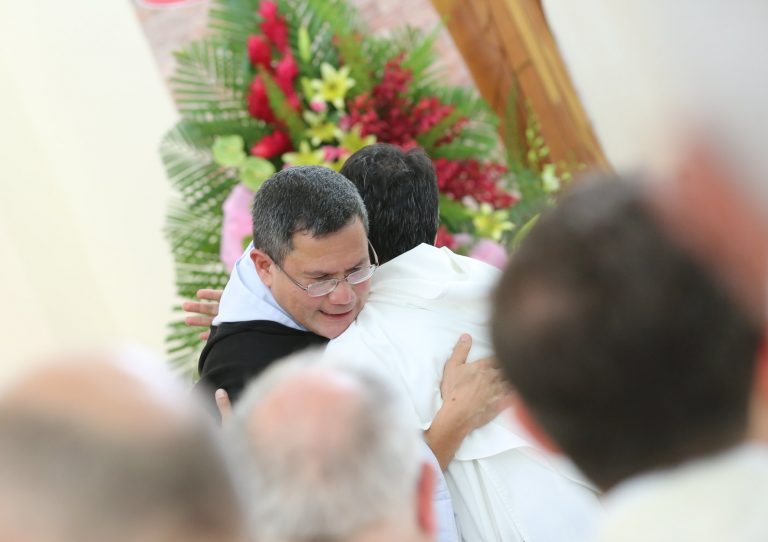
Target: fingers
x=209, y=294
x=211, y=309
x=225, y=407
x=198, y=321
x=460, y=351
x=204, y=335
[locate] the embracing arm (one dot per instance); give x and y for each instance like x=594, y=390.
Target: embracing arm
x=473, y=394
x=204, y=311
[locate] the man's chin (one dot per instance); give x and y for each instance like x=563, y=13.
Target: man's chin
x=332, y=325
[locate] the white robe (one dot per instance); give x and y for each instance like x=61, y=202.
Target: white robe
x=719, y=498
x=503, y=487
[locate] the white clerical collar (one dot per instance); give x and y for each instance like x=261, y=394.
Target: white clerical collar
x=246, y=298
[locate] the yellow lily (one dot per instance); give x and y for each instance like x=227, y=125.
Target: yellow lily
x=490, y=223
x=334, y=84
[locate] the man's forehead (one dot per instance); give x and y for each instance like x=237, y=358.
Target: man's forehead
x=337, y=251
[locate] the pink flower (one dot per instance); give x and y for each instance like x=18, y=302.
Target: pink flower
x=331, y=154
x=237, y=225
x=318, y=106
x=490, y=252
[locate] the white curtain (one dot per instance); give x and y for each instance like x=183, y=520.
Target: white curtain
x=82, y=110
x=647, y=69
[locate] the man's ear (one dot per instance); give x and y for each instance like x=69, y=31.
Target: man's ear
x=425, y=506
x=758, y=415
x=264, y=266
x=526, y=419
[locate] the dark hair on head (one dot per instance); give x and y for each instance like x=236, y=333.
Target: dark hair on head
x=303, y=199
x=399, y=189
x=625, y=351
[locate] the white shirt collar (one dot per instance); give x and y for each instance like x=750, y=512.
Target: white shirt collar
x=246, y=298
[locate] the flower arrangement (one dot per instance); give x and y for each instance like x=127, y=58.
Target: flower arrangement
x=280, y=83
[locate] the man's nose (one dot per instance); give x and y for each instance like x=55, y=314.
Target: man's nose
x=343, y=294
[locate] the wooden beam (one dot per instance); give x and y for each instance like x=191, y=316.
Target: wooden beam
x=508, y=47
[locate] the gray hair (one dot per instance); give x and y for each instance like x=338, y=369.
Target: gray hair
x=79, y=471
x=310, y=199
x=302, y=490
x=78, y=484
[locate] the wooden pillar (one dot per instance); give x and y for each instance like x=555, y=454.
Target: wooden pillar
x=508, y=47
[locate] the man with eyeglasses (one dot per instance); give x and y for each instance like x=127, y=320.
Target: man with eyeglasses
x=312, y=276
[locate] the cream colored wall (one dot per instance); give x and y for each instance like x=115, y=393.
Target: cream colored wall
x=84, y=262
x=651, y=71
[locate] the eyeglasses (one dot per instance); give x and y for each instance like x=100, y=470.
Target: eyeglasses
x=325, y=287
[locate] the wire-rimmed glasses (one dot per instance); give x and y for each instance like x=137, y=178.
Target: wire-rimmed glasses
x=325, y=287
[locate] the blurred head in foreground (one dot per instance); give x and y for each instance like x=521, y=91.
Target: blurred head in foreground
x=109, y=449
x=326, y=452
x=625, y=352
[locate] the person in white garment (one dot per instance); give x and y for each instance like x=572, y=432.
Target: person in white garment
x=325, y=451
x=502, y=484
x=631, y=357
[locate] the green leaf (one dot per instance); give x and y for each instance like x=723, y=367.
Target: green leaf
x=282, y=108
x=255, y=171
x=523, y=232
x=228, y=150
x=453, y=214
x=429, y=139
x=304, y=44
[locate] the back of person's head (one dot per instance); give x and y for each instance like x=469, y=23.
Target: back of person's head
x=399, y=189
x=624, y=350
x=303, y=199
x=90, y=453
x=326, y=451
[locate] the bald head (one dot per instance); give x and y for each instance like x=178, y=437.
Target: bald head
x=319, y=409
x=100, y=393
x=109, y=449
x=326, y=451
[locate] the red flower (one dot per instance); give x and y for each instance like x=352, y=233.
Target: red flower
x=259, y=51
x=258, y=102
x=461, y=178
x=388, y=113
x=268, y=11
x=273, y=25
x=444, y=238
x=272, y=145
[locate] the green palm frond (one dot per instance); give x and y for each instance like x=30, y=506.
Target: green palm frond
x=183, y=348
x=479, y=138
x=320, y=18
x=202, y=184
x=419, y=49
x=234, y=20
x=211, y=81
